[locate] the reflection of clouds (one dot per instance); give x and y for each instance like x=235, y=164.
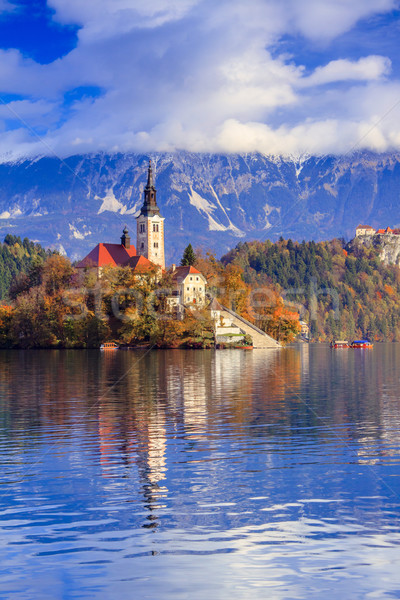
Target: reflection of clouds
x=298, y=559
x=257, y=496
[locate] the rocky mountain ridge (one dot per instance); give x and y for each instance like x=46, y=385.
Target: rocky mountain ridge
x=213, y=201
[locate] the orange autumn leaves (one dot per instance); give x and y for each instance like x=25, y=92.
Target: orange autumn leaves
x=262, y=306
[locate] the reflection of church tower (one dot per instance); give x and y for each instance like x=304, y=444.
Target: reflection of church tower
x=150, y=226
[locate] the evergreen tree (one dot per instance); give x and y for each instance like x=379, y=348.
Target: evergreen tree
x=189, y=257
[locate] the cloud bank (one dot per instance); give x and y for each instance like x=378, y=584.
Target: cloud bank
x=201, y=76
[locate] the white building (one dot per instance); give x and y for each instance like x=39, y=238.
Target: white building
x=364, y=230
x=189, y=286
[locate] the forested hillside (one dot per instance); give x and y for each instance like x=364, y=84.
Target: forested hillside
x=17, y=256
x=342, y=291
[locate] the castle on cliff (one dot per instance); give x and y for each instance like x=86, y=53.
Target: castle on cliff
x=362, y=230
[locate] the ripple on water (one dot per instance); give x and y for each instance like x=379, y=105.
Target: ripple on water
x=201, y=475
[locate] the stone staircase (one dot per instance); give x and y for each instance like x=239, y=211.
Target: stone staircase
x=259, y=337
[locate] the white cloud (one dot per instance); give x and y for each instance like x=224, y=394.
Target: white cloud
x=205, y=76
x=364, y=69
x=325, y=19
x=106, y=18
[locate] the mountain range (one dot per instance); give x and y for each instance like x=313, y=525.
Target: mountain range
x=213, y=201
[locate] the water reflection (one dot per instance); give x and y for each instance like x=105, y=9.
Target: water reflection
x=133, y=400
x=281, y=459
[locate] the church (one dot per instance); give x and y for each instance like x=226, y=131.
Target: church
x=150, y=240
x=149, y=255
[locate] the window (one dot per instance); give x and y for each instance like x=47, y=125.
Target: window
x=191, y=278
x=197, y=278
x=188, y=288
x=155, y=227
x=142, y=246
x=155, y=244
x=200, y=288
x=142, y=228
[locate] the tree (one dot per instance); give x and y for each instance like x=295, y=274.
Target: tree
x=56, y=273
x=234, y=293
x=189, y=257
x=6, y=313
x=277, y=320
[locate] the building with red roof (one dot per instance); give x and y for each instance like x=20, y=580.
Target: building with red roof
x=109, y=255
x=364, y=230
x=142, y=266
x=149, y=254
x=189, y=285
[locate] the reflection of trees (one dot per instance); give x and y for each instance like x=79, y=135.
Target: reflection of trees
x=134, y=403
x=190, y=388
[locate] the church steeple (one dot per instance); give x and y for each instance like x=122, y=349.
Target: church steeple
x=150, y=208
x=150, y=184
x=150, y=225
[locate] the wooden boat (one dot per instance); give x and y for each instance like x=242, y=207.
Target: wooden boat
x=340, y=344
x=109, y=346
x=361, y=344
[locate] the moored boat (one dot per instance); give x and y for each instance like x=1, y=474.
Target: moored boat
x=362, y=344
x=340, y=344
x=109, y=346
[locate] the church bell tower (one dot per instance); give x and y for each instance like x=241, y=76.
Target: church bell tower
x=150, y=225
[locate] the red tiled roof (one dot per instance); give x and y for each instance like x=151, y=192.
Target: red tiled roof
x=141, y=264
x=107, y=254
x=181, y=272
x=380, y=231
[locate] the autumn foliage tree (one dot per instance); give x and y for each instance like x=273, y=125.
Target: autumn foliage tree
x=272, y=316
x=344, y=290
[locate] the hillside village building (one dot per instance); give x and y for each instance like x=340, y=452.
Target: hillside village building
x=362, y=230
x=189, y=285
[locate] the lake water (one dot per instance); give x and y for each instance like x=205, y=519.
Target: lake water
x=200, y=475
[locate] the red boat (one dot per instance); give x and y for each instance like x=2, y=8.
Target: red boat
x=340, y=344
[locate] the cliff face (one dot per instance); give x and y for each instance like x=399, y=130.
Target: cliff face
x=388, y=246
x=213, y=201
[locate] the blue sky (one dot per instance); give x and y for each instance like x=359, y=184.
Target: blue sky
x=276, y=76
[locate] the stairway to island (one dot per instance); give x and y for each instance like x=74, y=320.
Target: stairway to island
x=259, y=337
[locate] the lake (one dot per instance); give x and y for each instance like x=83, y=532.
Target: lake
x=199, y=474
